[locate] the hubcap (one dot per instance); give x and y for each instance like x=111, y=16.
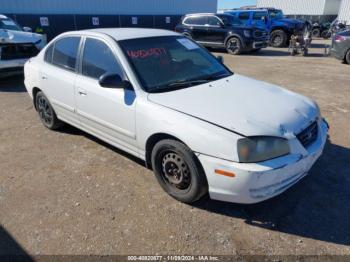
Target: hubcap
x=44, y=110
x=277, y=40
x=176, y=171
x=233, y=44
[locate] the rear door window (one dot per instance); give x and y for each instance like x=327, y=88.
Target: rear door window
x=196, y=20
x=65, y=53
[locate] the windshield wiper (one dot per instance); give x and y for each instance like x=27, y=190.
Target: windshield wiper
x=186, y=83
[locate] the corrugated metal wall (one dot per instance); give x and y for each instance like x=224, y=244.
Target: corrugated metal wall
x=139, y=7
x=344, y=12
x=303, y=7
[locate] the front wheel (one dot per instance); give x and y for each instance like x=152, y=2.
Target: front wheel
x=278, y=38
x=316, y=32
x=178, y=171
x=326, y=34
x=234, y=46
x=46, y=113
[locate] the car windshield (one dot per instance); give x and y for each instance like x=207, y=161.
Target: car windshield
x=169, y=63
x=276, y=14
x=9, y=24
x=230, y=20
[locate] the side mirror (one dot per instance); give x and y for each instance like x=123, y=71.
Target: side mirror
x=113, y=81
x=27, y=29
x=220, y=59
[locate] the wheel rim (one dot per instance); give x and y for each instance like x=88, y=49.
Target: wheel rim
x=233, y=45
x=175, y=171
x=45, y=111
x=277, y=40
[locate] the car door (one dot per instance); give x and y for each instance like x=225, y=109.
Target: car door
x=59, y=74
x=198, y=27
x=217, y=30
x=108, y=113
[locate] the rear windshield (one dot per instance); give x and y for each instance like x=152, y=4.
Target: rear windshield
x=9, y=24
x=165, y=62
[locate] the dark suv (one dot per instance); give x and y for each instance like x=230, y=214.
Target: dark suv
x=223, y=30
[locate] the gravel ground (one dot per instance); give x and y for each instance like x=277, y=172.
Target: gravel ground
x=68, y=193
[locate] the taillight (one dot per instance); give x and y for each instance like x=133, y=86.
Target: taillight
x=339, y=38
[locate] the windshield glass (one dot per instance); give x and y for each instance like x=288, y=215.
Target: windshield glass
x=171, y=62
x=9, y=24
x=276, y=14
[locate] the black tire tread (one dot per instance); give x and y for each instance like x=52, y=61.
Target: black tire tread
x=57, y=124
x=202, y=185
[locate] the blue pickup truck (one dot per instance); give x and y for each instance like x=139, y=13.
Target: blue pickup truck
x=280, y=27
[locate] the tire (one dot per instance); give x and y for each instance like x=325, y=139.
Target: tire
x=316, y=32
x=326, y=34
x=278, y=38
x=178, y=171
x=234, y=46
x=46, y=113
x=347, y=57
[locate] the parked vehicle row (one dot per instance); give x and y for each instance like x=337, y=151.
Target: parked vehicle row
x=164, y=98
x=17, y=45
x=223, y=31
x=273, y=20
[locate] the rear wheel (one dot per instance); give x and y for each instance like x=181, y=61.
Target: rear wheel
x=278, y=38
x=178, y=171
x=347, y=57
x=326, y=34
x=46, y=113
x=234, y=46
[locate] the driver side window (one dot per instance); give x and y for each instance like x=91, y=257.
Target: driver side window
x=99, y=59
x=213, y=21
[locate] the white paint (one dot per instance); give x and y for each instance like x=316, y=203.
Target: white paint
x=44, y=21
x=303, y=7
x=344, y=12
x=205, y=117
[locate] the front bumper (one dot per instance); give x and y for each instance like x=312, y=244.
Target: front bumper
x=12, y=67
x=257, y=182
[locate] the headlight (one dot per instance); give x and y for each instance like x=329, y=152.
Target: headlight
x=247, y=33
x=257, y=149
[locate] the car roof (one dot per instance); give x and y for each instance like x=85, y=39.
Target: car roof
x=3, y=16
x=126, y=33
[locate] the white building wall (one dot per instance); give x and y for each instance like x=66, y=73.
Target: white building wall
x=303, y=7
x=139, y=7
x=344, y=12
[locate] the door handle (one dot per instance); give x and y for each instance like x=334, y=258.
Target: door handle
x=82, y=92
x=44, y=77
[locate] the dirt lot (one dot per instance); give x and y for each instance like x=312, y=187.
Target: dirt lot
x=69, y=193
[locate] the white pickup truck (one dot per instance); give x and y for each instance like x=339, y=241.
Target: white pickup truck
x=17, y=45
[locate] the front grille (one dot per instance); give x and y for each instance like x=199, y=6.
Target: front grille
x=17, y=51
x=259, y=33
x=308, y=135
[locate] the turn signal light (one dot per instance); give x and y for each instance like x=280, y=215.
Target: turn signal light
x=224, y=173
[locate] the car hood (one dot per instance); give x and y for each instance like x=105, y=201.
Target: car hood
x=17, y=37
x=243, y=105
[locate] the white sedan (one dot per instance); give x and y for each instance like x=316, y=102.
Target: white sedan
x=165, y=99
